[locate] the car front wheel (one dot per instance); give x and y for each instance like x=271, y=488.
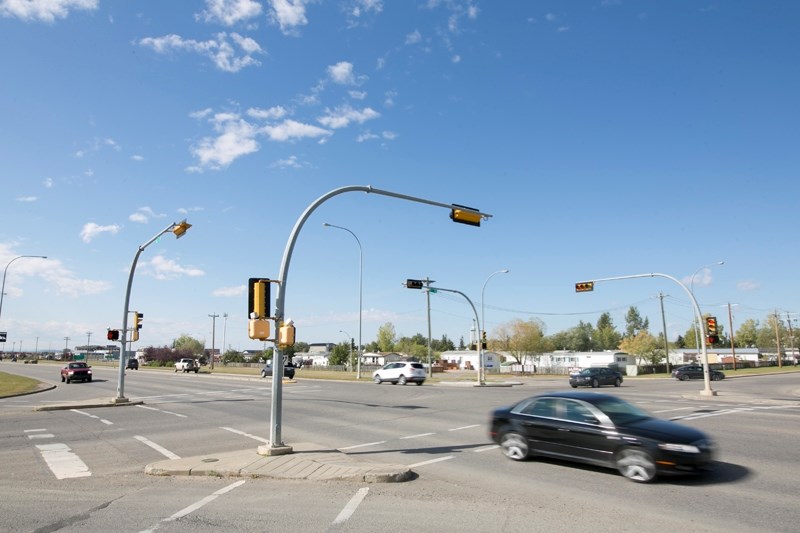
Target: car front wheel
x=684, y=377
x=514, y=446
x=617, y=382
x=402, y=380
x=595, y=383
x=636, y=465
x=716, y=377
x=377, y=379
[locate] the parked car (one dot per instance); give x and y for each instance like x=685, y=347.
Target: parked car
x=76, y=372
x=594, y=377
x=187, y=365
x=602, y=430
x=400, y=372
x=288, y=370
x=687, y=372
x=133, y=364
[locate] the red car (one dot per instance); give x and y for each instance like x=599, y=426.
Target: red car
x=76, y=372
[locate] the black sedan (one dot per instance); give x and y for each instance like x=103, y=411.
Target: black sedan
x=687, y=372
x=594, y=377
x=288, y=371
x=602, y=430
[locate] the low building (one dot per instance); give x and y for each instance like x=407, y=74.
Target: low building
x=468, y=359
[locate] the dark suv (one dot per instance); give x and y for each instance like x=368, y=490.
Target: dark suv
x=288, y=371
x=687, y=372
x=594, y=377
x=133, y=364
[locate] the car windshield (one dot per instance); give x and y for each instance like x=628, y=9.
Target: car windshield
x=620, y=411
x=587, y=372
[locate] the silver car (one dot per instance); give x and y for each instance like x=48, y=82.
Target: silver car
x=400, y=372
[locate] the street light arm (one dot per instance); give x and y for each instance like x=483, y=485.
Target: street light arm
x=5, y=271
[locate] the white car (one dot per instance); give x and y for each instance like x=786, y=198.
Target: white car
x=400, y=372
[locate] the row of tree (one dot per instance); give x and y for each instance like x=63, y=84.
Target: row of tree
x=525, y=338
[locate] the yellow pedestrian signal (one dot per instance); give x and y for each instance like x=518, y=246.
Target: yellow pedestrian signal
x=258, y=329
x=113, y=335
x=584, y=286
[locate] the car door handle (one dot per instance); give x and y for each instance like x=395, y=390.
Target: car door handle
x=563, y=429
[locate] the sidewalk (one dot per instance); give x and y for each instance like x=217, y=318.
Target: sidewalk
x=308, y=461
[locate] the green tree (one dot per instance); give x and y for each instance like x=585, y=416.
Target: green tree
x=461, y=345
x=606, y=336
x=747, y=334
x=521, y=339
x=185, y=342
x=386, y=337
x=634, y=323
x=644, y=346
x=339, y=354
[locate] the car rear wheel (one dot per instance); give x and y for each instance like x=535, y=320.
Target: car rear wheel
x=574, y=386
x=377, y=379
x=62, y=379
x=684, y=377
x=402, y=380
x=89, y=379
x=716, y=377
x=636, y=465
x=514, y=446
x=419, y=383
x=595, y=383
x=617, y=382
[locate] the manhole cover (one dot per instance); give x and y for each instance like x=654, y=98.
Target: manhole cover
x=210, y=460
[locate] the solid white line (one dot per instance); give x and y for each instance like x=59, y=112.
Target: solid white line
x=195, y=506
x=363, y=445
x=678, y=409
x=62, y=461
x=90, y=415
x=160, y=449
x=464, y=427
x=41, y=436
x=423, y=463
x=254, y=437
x=486, y=448
x=34, y=430
x=351, y=506
x=415, y=436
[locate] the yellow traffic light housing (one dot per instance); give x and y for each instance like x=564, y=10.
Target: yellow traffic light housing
x=584, y=286
x=466, y=215
x=180, y=228
x=711, y=326
x=258, y=329
x=286, y=334
x=258, y=298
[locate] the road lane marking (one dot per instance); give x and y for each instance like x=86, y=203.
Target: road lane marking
x=254, y=437
x=423, y=463
x=351, y=506
x=416, y=436
x=486, y=448
x=464, y=427
x=160, y=449
x=197, y=505
x=90, y=415
x=162, y=411
x=62, y=461
x=38, y=434
x=363, y=445
x=670, y=410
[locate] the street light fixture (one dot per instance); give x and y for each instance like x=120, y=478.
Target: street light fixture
x=350, y=346
x=3, y=290
x=360, y=290
x=179, y=229
x=483, y=317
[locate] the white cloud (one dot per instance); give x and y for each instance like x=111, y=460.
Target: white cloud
x=187, y=210
x=456, y=59
x=162, y=268
x=236, y=139
x=27, y=198
x=91, y=230
x=357, y=95
x=229, y=12
x=230, y=291
x=342, y=116
x=219, y=50
x=367, y=136
x=289, y=14
x=48, y=183
x=201, y=114
x=44, y=10
x=267, y=114
x=289, y=162
x=143, y=215
x=414, y=37
x=748, y=285
x=137, y=157
x=290, y=130
x=342, y=73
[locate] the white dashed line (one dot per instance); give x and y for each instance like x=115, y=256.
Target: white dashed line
x=351, y=506
x=417, y=436
x=160, y=449
x=486, y=448
x=363, y=445
x=162, y=411
x=254, y=437
x=464, y=427
x=423, y=463
x=195, y=506
x=90, y=415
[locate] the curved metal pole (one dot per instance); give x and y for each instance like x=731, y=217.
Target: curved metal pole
x=706, y=379
x=483, y=317
x=3, y=289
x=360, y=292
x=481, y=370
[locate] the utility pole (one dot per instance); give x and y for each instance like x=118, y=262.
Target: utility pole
x=733, y=344
x=778, y=340
x=213, y=336
x=66, y=346
x=428, y=296
x=664, y=325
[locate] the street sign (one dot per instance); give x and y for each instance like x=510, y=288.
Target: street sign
x=3, y=336
x=78, y=357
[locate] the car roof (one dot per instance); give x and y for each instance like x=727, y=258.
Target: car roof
x=591, y=397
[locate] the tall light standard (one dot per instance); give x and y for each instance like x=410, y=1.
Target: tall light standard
x=213, y=317
x=179, y=229
x=360, y=286
x=3, y=290
x=483, y=316
x=699, y=326
x=88, y=342
x=224, y=331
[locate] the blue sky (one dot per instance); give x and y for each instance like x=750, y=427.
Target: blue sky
x=606, y=138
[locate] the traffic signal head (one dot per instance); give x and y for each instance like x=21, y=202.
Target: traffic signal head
x=258, y=298
x=584, y=286
x=712, y=339
x=137, y=320
x=483, y=340
x=711, y=326
x=413, y=283
x=113, y=335
x=180, y=229
x=465, y=215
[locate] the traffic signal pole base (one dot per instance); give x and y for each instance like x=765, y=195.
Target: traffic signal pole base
x=708, y=392
x=121, y=399
x=270, y=450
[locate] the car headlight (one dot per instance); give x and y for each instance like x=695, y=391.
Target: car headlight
x=684, y=448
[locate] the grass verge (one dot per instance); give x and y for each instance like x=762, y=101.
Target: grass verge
x=12, y=385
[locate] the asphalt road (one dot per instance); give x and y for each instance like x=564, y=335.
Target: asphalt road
x=82, y=470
